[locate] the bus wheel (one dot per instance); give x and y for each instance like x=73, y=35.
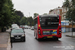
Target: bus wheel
x=56, y=39
x=35, y=36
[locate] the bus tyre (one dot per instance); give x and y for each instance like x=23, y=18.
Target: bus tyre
x=38, y=39
x=56, y=39
x=35, y=36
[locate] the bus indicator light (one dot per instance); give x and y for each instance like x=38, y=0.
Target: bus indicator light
x=39, y=25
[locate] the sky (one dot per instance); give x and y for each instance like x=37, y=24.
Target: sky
x=29, y=7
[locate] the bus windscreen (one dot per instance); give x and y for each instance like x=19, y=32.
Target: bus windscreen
x=49, y=22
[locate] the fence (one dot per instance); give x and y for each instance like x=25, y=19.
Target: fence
x=64, y=29
x=67, y=28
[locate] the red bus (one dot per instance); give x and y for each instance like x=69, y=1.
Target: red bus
x=47, y=26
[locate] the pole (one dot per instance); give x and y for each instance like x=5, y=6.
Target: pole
x=72, y=28
x=65, y=26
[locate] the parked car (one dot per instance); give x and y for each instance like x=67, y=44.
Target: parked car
x=32, y=28
x=26, y=27
x=21, y=26
x=14, y=26
x=29, y=27
x=17, y=35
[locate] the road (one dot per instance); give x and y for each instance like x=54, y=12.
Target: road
x=64, y=43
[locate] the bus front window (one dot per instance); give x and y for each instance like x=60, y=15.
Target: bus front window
x=49, y=22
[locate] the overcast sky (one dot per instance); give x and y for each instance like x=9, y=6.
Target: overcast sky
x=36, y=6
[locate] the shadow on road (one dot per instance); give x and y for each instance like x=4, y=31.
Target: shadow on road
x=46, y=40
x=17, y=42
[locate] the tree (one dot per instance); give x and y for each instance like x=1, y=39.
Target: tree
x=6, y=11
x=30, y=21
x=66, y=4
x=70, y=14
x=45, y=14
x=23, y=21
x=27, y=21
x=35, y=15
x=71, y=9
x=19, y=13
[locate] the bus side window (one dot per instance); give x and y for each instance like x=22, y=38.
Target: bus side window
x=35, y=23
x=36, y=26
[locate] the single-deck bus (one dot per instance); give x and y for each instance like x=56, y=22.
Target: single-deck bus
x=47, y=26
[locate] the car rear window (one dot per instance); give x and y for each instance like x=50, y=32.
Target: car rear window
x=17, y=31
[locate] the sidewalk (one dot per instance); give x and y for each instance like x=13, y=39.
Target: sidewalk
x=5, y=40
x=69, y=34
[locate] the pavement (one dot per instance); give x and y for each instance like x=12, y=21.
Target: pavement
x=5, y=40
x=70, y=34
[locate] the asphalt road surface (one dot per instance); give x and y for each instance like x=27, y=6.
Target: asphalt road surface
x=64, y=43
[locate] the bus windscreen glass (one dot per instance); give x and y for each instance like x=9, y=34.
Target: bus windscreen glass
x=49, y=22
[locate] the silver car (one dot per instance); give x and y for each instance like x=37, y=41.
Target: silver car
x=17, y=35
x=32, y=28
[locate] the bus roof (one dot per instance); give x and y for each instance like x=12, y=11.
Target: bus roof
x=53, y=15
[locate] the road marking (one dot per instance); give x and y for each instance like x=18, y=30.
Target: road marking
x=71, y=45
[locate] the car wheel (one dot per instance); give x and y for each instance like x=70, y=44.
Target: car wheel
x=12, y=41
x=24, y=39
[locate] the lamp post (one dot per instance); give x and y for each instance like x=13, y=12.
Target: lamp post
x=65, y=23
x=72, y=28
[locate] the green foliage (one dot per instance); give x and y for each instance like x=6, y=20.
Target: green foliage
x=6, y=10
x=35, y=15
x=66, y=3
x=19, y=13
x=70, y=15
x=23, y=21
x=73, y=2
x=30, y=21
x=45, y=14
x=27, y=21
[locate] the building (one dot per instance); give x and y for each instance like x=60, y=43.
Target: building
x=57, y=11
x=64, y=11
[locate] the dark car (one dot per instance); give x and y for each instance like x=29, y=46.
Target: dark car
x=17, y=35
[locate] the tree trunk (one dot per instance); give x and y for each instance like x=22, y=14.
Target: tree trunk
x=3, y=29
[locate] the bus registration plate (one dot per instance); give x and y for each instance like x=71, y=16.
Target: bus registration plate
x=49, y=36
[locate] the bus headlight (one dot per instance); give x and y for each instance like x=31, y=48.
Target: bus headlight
x=39, y=25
